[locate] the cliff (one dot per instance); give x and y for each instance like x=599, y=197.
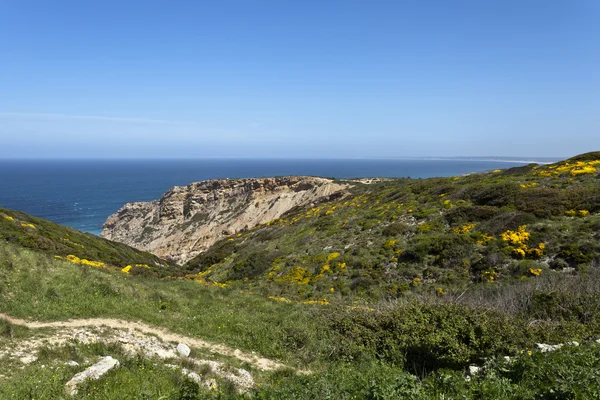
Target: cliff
x=188, y=219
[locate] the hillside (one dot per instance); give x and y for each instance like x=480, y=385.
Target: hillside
x=189, y=219
x=398, y=237
x=485, y=286
x=60, y=241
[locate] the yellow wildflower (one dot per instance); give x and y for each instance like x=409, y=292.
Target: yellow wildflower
x=464, y=229
x=333, y=256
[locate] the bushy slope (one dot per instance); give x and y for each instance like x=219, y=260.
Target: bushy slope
x=431, y=235
x=57, y=240
x=350, y=353
x=477, y=268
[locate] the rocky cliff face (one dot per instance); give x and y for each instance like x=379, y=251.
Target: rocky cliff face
x=188, y=219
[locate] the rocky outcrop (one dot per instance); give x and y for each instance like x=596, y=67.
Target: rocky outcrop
x=94, y=372
x=188, y=219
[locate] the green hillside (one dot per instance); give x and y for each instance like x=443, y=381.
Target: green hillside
x=56, y=240
x=414, y=289
x=402, y=237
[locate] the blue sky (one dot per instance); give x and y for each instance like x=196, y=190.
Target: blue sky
x=299, y=78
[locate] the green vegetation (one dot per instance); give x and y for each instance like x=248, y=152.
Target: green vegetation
x=399, y=238
x=57, y=240
x=391, y=292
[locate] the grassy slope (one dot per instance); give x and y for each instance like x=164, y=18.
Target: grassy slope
x=409, y=236
x=354, y=352
x=41, y=235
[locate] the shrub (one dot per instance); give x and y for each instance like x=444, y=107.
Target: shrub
x=471, y=213
x=395, y=229
x=425, y=338
x=251, y=266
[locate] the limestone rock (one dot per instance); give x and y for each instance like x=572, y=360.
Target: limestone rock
x=188, y=219
x=544, y=348
x=474, y=370
x=94, y=372
x=183, y=349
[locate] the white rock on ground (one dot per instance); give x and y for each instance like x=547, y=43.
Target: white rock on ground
x=544, y=348
x=72, y=363
x=133, y=342
x=94, y=372
x=474, y=369
x=183, y=349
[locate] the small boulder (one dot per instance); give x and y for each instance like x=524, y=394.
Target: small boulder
x=72, y=363
x=544, y=348
x=474, y=370
x=183, y=349
x=92, y=373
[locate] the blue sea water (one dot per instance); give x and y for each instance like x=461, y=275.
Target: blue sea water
x=82, y=194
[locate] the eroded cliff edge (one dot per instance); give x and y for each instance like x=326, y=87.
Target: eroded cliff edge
x=188, y=219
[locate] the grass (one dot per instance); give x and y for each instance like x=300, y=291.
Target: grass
x=389, y=293
x=41, y=288
x=56, y=240
x=353, y=353
x=401, y=237
x=46, y=378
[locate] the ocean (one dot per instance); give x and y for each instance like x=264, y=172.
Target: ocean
x=82, y=194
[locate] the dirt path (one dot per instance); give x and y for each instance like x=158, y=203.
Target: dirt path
x=261, y=363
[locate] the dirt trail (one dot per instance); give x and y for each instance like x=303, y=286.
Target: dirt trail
x=261, y=363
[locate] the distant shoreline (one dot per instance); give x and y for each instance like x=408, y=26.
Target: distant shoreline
x=546, y=161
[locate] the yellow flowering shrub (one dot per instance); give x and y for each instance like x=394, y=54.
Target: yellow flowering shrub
x=529, y=185
x=520, y=236
x=297, y=275
x=485, y=239
x=390, y=244
x=463, y=229
x=535, y=272
x=82, y=261
x=126, y=269
x=518, y=239
x=8, y=217
x=583, y=170
x=333, y=256
x=490, y=275
x=571, y=168
x=580, y=213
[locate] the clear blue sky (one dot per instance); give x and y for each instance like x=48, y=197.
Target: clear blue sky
x=299, y=78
